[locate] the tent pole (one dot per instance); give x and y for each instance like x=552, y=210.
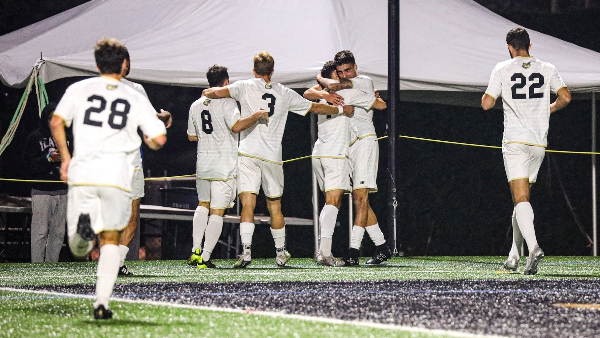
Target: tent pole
x=594, y=192
x=393, y=104
x=315, y=188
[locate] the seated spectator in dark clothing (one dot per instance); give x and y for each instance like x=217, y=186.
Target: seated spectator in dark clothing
x=49, y=199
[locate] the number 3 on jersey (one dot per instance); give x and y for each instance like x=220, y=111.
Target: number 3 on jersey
x=271, y=103
x=118, y=108
x=522, y=82
x=207, y=127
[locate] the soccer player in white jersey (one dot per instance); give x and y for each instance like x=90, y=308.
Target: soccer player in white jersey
x=364, y=157
x=330, y=156
x=137, y=181
x=525, y=84
x=105, y=115
x=260, y=162
x=214, y=124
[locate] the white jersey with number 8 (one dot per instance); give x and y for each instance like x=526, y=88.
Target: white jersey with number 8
x=525, y=84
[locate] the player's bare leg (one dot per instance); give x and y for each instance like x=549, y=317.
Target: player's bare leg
x=520, y=190
x=127, y=235
x=248, y=201
x=278, y=230
x=199, y=224
x=211, y=236
x=108, y=268
x=327, y=219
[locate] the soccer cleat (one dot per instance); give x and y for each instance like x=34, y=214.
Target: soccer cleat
x=101, y=313
x=84, y=227
x=382, y=254
x=352, y=258
x=511, y=263
x=328, y=260
x=283, y=256
x=205, y=264
x=195, y=258
x=123, y=271
x=535, y=256
x=242, y=262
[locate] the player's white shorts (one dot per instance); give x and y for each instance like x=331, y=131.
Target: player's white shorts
x=137, y=183
x=254, y=173
x=220, y=194
x=522, y=161
x=364, y=159
x=332, y=173
x=109, y=207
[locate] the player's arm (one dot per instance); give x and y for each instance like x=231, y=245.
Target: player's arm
x=487, y=101
x=325, y=109
x=334, y=85
x=261, y=116
x=216, y=92
x=155, y=143
x=562, y=100
x=57, y=125
x=315, y=94
x=379, y=104
x=193, y=138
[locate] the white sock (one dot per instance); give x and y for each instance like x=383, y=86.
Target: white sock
x=517, y=241
x=357, y=237
x=246, y=232
x=123, y=250
x=327, y=220
x=199, y=224
x=375, y=233
x=108, y=268
x=524, y=215
x=278, y=237
x=213, y=232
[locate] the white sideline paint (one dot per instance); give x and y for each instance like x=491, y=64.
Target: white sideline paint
x=270, y=314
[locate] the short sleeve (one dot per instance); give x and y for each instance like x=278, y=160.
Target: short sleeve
x=361, y=99
x=236, y=90
x=140, y=89
x=363, y=83
x=191, y=129
x=231, y=113
x=297, y=104
x=556, y=82
x=494, y=88
x=66, y=107
x=149, y=123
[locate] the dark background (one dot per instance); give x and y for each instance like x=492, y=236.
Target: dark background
x=453, y=200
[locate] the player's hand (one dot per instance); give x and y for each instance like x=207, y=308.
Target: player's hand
x=334, y=99
x=55, y=156
x=348, y=111
x=377, y=93
x=263, y=117
x=64, y=168
x=165, y=117
x=204, y=92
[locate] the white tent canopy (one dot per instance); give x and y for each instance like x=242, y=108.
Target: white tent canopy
x=445, y=45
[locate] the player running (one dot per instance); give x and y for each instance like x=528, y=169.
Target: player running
x=525, y=83
x=364, y=157
x=105, y=115
x=260, y=163
x=214, y=124
x=330, y=156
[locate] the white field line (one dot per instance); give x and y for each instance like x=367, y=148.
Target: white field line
x=272, y=314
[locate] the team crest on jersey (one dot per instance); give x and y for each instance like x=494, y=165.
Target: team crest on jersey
x=206, y=102
x=111, y=87
x=268, y=86
x=526, y=65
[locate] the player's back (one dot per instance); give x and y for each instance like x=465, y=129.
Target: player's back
x=264, y=141
x=105, y=115
x=362, y=121
x=526, y=84
x=211, y=121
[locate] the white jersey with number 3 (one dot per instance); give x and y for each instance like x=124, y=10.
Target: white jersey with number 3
x=525, y=84
x=105, y=115
x=264, y=141
x=211, y=121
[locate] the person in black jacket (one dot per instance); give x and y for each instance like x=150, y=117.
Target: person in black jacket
x=48, y=199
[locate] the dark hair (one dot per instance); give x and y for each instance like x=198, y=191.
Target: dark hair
x=48, y=109
x=109, y=54
x=518, y=38
x=328, y=67
x=343, y=57
x=217, y=75
x=263, y=63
